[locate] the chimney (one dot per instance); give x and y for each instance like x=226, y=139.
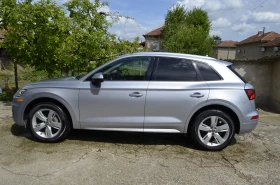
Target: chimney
x=260, y=33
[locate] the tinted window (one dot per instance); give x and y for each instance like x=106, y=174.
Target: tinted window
x=237, y=74
x=175, y=69
x=128, y=69
x=208, y=74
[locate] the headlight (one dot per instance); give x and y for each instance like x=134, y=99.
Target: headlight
x=20, y=92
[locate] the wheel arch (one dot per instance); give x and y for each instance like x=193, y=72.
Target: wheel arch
x=55, y=101
x=230, y=111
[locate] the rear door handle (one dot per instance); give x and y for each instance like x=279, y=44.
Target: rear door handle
x=135, y=94
x=197, y=95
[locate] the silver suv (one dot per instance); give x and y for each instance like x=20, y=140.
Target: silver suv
x=143, y=92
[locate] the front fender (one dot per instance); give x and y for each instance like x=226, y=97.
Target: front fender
x=67, y=97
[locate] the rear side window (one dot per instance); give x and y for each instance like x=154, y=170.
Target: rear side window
x=207, y=73
x=175, y=69
x=237, y=74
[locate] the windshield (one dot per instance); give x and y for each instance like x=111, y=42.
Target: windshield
x=79, y=77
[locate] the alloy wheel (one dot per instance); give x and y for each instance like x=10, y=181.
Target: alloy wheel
x=46, y=123
x=213, y=131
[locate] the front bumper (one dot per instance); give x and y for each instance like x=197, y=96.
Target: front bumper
x=18, y=113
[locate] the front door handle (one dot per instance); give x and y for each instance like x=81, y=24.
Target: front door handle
x=197, y=95
x=135, y=94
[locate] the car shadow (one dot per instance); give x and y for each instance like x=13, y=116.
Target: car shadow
x=116, y=137
x=138, y=138
x=20, y=131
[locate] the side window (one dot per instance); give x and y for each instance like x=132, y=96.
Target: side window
x=175, y=69
x=128, y=69
x=208, y=74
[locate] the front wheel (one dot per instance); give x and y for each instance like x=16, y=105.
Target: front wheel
x=48, y=123
x=212, y=130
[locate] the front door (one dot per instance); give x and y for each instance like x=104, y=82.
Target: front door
x=174, y=91
x=118, y=103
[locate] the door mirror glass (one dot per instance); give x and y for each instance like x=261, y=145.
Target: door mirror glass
x=97, y=78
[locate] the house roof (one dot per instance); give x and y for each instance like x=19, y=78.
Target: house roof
x=227, y=44
x=260, y=38
x=155, y=32
x=274, y=42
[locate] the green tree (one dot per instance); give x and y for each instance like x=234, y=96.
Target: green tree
x=187, y=31
x=217, y=39
x=34, y=32
x=72, y=37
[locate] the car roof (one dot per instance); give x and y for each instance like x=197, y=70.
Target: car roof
x=180, y=55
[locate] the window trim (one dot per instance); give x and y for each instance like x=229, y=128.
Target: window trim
x=197, y=70
x=147, y=77
x=154, y=73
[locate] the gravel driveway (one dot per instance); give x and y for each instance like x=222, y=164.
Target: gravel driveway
x=95, y=157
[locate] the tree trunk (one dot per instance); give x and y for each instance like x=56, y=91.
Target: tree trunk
x=64, y=73
x=16, y=74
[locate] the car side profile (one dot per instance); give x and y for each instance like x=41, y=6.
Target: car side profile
x=143, y=92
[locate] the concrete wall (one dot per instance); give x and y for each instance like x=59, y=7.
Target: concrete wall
x=265, y=77
x=274, y=100
x=270, y=51
x=149, y=42
x=225, y=53
x=259, y=75
x=253, y=51
x=248, y=51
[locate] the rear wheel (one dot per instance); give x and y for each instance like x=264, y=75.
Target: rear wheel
x=212, y=130
x=48, y=122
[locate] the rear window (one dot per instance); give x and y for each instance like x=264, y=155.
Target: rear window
x=207, y=73
x=237, y=74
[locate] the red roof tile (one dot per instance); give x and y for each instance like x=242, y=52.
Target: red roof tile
x=274, y=42
x=260, y=38
x=227, y=44
x=155, y=32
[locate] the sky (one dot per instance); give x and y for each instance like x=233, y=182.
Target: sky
x=231, y=19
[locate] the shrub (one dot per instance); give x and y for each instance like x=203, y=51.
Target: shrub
x=6, y=77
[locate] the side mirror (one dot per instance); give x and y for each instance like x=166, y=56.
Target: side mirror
x=97, y=78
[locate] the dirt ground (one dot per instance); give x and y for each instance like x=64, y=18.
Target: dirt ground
x=95, y=157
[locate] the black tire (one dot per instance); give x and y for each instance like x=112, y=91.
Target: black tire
x=196, y=136
x=64, y=119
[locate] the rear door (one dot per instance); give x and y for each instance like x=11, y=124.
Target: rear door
x=174, y=91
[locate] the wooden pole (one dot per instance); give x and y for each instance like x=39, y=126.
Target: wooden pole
x=16, y=74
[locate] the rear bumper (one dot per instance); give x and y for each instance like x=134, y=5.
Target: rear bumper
x=248, y=125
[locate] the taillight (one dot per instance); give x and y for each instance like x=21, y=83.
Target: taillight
x=255, y=117
x=250, y=93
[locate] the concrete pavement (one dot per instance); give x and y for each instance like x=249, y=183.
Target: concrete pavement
x=95, y=157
